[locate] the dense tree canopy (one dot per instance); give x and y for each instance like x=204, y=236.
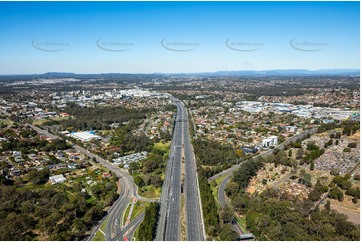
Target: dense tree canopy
x=148, y=228
x=271, y=218
x=51, y=212
x=213, y=153
x=96, y=118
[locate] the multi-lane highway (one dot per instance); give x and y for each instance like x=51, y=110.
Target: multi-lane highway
x=194, y=218
x=170, y=212
x=170, y=201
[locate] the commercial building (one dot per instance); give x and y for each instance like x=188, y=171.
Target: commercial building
x=270, y=141
x=84, y=136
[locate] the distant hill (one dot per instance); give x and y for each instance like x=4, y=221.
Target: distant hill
x=245, y=73
x=290, y=72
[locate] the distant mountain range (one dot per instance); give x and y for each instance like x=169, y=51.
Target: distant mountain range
x=245, y=73
x=290, y=72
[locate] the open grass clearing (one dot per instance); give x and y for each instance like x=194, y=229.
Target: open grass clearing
x=150, y=192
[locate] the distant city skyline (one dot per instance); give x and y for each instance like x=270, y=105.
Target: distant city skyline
x=177, y=37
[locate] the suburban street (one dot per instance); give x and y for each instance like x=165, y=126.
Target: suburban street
x=221, y=191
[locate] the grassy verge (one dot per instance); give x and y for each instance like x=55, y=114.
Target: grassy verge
x=98, y=236
x=139, y=207
x=135, y=237
x=162, y=146
x=242, y=223
x=127, y=213
x=214, y=192
x=214, y=189
x=104, y=224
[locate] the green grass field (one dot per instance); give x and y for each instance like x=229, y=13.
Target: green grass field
x=41, y=121
x=162, y=146
x=150, y=192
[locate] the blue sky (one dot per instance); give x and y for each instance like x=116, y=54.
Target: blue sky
x=86, y=37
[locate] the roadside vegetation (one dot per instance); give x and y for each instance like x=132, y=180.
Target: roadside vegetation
x=148, y=228
x=149, y=173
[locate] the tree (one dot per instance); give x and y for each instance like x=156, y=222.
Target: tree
x=226, y=214
x=336, y=193
x=328, y=205
x=346, y=185
x=39, y=177
x=156, y=180
x=246, y=171
x=305, y=179
x=354, y=192
x=227, y=234
x=312, y=166
x=139, y=181
x=148, y=228
x=133, y=166
x=299, y=153
x=149, y=166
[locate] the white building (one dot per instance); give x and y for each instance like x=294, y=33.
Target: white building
x=270, y=141
x=84, y=136
x=291, y=129
x=57, y=179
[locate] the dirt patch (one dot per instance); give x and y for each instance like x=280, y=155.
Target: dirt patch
x=353, y=216
x=347, y=203
x=356, y=136
x=251, y=189
x=347, y=207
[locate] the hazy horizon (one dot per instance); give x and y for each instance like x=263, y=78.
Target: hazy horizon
x=149, y=73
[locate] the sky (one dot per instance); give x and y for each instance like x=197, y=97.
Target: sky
x=177, y=37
